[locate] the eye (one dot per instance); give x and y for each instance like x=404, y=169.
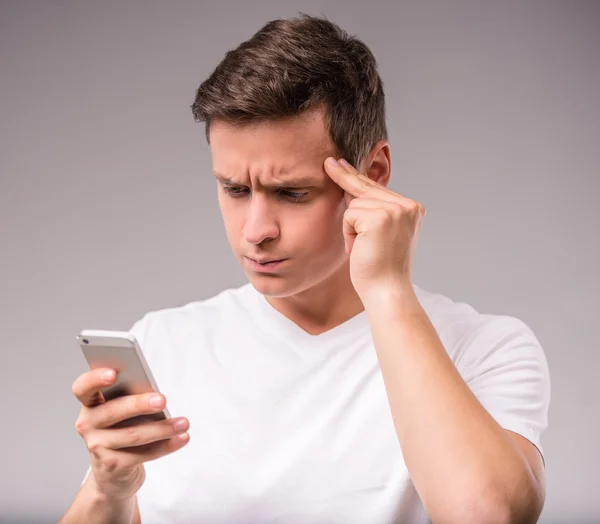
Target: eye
x=294, y=196
x=240, y=191
x=235, y=191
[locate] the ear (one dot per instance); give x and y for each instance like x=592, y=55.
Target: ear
x=378, y=163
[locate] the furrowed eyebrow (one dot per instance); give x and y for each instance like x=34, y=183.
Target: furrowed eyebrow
x=224, y=179
x=292, y=183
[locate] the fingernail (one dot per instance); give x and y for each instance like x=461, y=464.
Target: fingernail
x=156, y=401
x=108, y=375
x=343, y=162
x=332, y=161
x=181, y=425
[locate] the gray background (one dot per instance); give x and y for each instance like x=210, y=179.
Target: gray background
x=108, y=208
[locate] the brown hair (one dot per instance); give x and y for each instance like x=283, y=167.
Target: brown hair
x=294, y=65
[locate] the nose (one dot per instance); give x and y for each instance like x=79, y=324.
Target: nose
x=260, y=225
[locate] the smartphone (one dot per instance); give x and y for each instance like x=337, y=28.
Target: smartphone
x=119, y=350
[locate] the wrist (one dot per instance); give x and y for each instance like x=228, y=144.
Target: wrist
x=102, y=497
x=392, y=300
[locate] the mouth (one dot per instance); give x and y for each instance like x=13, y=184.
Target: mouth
x=265, y=264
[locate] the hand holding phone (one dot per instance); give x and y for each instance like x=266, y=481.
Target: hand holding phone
x=123, y=419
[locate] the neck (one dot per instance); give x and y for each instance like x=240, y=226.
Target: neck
x=323, y=306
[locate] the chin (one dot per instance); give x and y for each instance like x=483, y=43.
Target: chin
x=275, y=287
x=294, y=282
x=283, y=286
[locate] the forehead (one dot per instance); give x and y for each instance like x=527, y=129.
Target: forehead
x=271, y=148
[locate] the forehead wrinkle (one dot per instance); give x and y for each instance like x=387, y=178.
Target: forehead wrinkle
x=274, y=177
x=288, y=179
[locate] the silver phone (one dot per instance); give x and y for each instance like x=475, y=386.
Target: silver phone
x=119, y=350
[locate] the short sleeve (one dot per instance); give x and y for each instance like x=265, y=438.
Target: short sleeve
x=140, y=330
x=508, y=372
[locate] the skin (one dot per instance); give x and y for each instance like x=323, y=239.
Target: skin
x=117, y=455
x=350, y=242
x=261, y=221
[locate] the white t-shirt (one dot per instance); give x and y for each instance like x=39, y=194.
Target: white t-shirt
x=287, y=427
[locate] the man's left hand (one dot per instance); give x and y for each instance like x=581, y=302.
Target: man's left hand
x=380, y=231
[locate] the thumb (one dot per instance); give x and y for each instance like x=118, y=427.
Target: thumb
x=349, y=242
x=348, y=198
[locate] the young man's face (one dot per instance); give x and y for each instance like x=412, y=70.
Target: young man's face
x=278, y=203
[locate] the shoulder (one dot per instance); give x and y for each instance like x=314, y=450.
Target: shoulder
x=471, y=337
x=203, y=314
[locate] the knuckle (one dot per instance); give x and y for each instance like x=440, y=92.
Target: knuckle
x=81, y=425
x=133, y=436
x=112, y=414
x=93, y=445
x=169, y=427
x=384, y=217
x=396, y=211
x=110, y=464
x=75, y=389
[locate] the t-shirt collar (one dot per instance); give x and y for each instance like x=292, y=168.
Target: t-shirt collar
x=277, y=324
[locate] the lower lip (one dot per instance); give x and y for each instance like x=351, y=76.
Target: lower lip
x=270, y=267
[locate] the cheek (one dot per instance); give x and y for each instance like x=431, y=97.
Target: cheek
x=322, y=227
x=232, y=218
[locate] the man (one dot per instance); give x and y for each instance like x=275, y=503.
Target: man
x=329, y=388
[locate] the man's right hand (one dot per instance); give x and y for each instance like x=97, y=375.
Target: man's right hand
x=117, y=455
